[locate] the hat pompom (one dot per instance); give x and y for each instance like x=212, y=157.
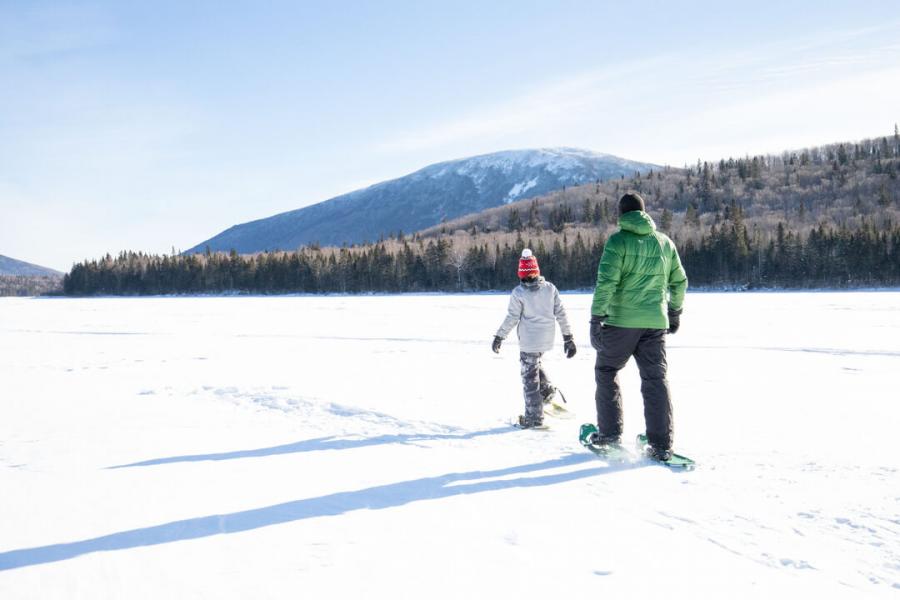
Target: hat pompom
x=526, y=253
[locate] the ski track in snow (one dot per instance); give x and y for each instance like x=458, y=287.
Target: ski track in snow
x=831, y=351
x=360, y=445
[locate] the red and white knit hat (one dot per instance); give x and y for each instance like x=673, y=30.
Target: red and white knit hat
x=528, y=265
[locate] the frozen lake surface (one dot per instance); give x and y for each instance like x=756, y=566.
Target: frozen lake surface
x=331, y=447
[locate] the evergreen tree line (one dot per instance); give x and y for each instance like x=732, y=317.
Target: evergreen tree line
x=730, y=255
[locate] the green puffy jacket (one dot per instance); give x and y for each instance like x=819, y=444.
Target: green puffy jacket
x=639, y=277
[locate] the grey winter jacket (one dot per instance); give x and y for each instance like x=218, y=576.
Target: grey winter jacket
x=536, y=307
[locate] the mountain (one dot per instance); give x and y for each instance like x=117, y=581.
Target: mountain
x=11, y=266
x=424, y=198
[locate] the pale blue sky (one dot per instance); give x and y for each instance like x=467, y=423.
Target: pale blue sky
x=144, y=126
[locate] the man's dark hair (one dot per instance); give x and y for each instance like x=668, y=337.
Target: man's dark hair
x=629, y=202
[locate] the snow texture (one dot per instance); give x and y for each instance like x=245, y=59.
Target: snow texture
x=339, y=447
x=554, y=160
x=520, y=188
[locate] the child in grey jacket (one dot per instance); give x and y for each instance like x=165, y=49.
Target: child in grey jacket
x=535, y=307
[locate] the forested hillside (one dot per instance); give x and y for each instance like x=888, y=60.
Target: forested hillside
x=30, y=285
x=841, y=185
x=819, y=217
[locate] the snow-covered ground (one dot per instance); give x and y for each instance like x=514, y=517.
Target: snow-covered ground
x=359, y=447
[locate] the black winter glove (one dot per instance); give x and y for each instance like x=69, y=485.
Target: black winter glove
x=598, y=322
x=569, y=346
x=674, y=320
x=496, y=345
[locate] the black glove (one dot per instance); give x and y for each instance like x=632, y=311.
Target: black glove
x=598, y=322
x=674, y=320
x=496, y=345
x=569, y=346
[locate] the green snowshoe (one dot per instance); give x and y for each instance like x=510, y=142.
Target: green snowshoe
x=674, y=461
x=611, y=450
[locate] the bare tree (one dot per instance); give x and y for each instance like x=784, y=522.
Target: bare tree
x=457, y=259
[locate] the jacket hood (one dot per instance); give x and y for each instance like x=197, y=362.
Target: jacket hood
x=533, y=285
x=637, y=221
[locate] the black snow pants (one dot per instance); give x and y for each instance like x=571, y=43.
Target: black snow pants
x=648, y=346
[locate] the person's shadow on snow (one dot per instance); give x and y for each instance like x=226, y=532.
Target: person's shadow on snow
x=319, y=445
x=372, y=498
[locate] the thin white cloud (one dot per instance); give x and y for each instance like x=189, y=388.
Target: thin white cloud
x=553, y=102
x=847, y=108
x=622, y=109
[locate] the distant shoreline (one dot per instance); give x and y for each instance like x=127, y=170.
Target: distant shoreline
x=697, y=290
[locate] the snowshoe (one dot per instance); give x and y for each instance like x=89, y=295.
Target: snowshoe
x=663, y=456
x=551, y=394
x=609, y=448
x=548, y=394
x=556, y=411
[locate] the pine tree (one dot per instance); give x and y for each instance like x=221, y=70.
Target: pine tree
x=691, y=217
x=896, y=141
x=514, y=222
x=532, y=215
x=842, y=155
x=665, y=220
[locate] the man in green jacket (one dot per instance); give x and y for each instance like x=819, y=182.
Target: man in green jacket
x=637, y=300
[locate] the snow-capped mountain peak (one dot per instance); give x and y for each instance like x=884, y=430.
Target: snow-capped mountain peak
x=425, y=198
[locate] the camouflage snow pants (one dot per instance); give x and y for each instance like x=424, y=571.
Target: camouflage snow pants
x=535, y=384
